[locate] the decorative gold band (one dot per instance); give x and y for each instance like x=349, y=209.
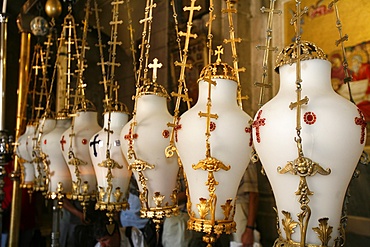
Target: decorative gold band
x=212, y=227
x=111, y=206
x=159, y=212
x=81, y=197
x=27, y=186
x=54, y=195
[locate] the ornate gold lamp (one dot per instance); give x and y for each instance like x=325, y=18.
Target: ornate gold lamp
x=111, y=167
x=213, y=138
x=146, y=135
x=309, y=140
x=75, y=140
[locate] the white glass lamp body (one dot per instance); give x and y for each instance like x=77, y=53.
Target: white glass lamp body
x=150, y=141
x=58, y=168
x=230, y=143
x=22, y=152
x=333, y=132
x=116, y=198
x=85, y=125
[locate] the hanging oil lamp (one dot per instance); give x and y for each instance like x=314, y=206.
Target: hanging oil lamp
x=213, y=140
x=110, y=165
x=75, y=140
x=303, y=137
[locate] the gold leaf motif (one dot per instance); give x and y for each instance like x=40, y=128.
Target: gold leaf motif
x=158, y=199
x=85, y=188
x=75, y=187
x=288, y=225
x=227, y=207
x=117, y=194
x=203, y=207
x=101, y=193
x=324, y=231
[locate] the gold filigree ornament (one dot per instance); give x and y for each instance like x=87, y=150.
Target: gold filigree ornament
x=104, y=201
x=207, y=207
x=323, y=231
x=308, y=51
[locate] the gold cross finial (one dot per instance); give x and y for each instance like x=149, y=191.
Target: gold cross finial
x=296, y=19
x=218, y=52
x=155, y=66
x=148, y=12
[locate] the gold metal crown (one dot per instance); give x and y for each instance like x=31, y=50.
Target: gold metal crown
x=152, y=88
x=308, y=51
x=84, y=105
x=218, y=70
x=117, y=107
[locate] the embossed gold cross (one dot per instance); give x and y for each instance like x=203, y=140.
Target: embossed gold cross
x=148, y=12
x=191, y=10
x=155, y=66
x=298, y=103
x=340, y=41
x=181, y=81
x=208, y=115
x=267, y=48
x=218, y=53
x=298, y=16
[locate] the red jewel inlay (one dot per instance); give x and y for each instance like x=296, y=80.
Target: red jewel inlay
x=130, y=137
x=165, y=133
x=212, y=126
x=309, y=118
x=84, y=141
x=249, y=131
x=257, y=124
x=62, y=142
x=177, y=127
x=361, y=121
x=45, y=141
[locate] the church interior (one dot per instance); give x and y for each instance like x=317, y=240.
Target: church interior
x=182, y=96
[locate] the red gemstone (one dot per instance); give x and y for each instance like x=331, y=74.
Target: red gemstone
x=166, y=133
x=84, y=141
x=309, y=118
x=212, y=126
x=45, y=141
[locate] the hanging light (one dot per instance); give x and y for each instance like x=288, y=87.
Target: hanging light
x=214, y=142
x=41, y=119
x=75, y=140
x=110, y=165
x=309, y=140
x=59, y=176
x=145, y=139
x=146, y=135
